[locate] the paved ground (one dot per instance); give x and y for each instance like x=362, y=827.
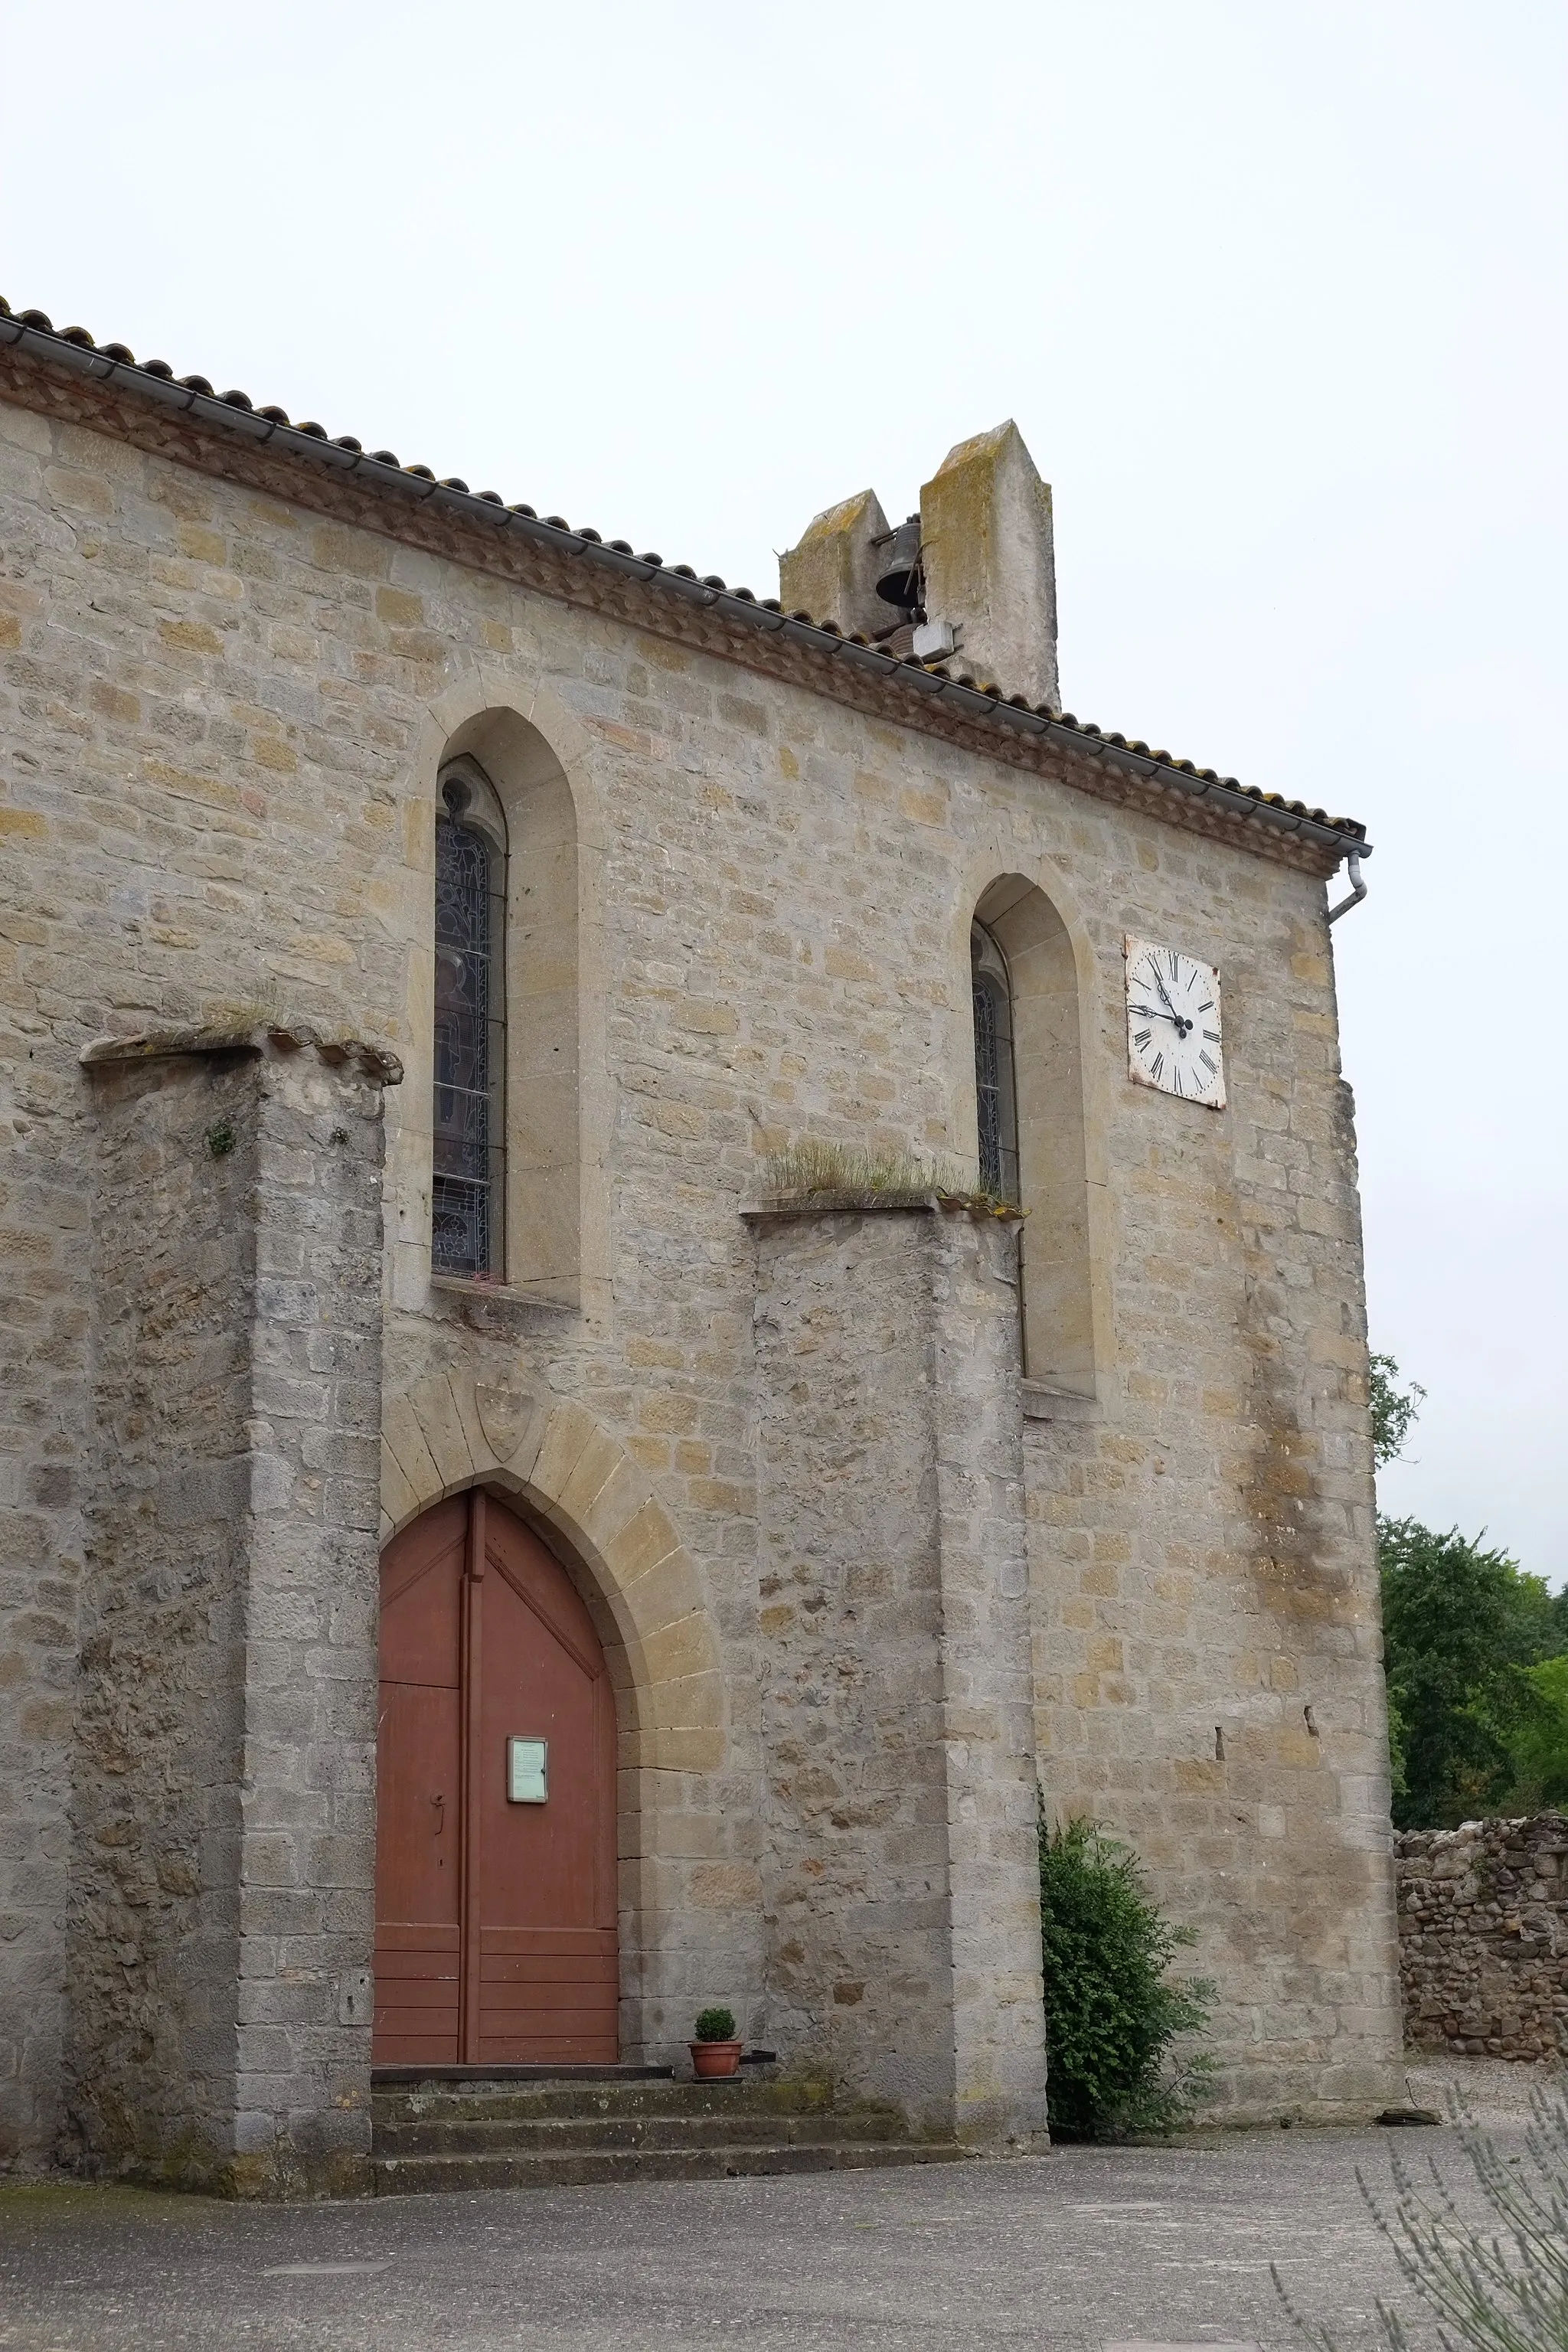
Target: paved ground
x=1082, y=2248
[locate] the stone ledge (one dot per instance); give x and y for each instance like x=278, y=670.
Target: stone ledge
x=462, y=1292
x=259, y=1039
x=852, y=1202
x=1043, y=1402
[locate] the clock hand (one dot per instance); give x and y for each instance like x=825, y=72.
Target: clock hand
x=1181, y=1020
x=1152, y=1013
x=1182, y=1024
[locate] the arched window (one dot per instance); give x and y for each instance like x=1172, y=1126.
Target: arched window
x=995, y=1093
x=1034, y=1134
x=467, y=1205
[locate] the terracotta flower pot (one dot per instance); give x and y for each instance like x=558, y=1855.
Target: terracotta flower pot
x=712, y=2059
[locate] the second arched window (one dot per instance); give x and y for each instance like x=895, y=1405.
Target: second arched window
x=995, y=1094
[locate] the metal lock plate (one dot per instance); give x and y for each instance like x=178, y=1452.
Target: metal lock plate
x=527, y=1771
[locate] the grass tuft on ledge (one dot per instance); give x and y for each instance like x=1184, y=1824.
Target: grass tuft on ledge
x=815, y=1171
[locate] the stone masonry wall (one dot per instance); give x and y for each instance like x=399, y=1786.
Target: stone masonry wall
x=1208, y=1643
x=222, y=716
x=1483, y=1937
x=223, y=1798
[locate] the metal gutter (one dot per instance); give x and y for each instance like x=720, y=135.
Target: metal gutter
x=1357, y=888
x=236, y=416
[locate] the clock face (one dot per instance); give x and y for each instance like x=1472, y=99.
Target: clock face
x=1173, y=1024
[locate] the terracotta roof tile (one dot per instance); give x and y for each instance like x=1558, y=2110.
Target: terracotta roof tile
x=1351, y=834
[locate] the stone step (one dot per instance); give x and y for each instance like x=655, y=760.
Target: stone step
x=444, y=2135
x=502, y=2132
x=397, y=2176
x=394, y=2077
x=524, y=2102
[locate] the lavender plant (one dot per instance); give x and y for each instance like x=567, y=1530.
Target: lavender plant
x=1501, y=2287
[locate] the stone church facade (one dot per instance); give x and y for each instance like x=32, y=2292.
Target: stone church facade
x=435, y=943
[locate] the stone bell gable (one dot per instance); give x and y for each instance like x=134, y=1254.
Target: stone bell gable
x=979, y=567
x=872, y=1507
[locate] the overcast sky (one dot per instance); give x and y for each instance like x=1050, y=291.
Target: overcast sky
x=1274, y=292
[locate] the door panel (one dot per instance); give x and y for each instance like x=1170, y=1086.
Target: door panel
x=421, y=1571
x=495, y=1921
x=419, y=1865
x=419, y=1790
x=547, y=1872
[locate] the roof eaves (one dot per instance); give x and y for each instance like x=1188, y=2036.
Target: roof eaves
x=233, y=411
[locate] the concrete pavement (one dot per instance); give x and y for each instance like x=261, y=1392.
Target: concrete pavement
x=1081, y=2249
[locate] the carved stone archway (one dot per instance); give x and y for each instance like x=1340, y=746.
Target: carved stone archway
x=571, y=1475
x=449, y=1432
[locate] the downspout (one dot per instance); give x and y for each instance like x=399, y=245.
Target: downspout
x=1358, y=887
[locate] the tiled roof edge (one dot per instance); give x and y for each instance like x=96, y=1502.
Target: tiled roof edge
x=73, y=348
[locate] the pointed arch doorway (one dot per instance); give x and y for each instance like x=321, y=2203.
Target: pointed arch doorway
x=495, y=1875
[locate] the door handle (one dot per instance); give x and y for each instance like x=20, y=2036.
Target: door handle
x=441, y=1817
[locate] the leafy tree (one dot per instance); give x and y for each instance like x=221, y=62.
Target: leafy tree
x=1110, y=2014
x=1477, y=1718
x=1398, y=1779
x=1462, y=1626
x=1394, y=1409
x=1537, y=1751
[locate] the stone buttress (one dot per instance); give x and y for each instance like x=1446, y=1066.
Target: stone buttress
x=900, y=1878
x=221, y=1910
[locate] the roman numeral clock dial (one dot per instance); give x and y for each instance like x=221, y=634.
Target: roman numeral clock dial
x=1173, y=1024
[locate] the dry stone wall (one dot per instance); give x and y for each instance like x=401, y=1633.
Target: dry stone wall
x=1483, y=1937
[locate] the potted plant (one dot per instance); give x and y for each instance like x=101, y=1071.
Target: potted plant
x=715, y=2051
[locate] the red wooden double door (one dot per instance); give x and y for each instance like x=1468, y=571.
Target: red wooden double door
x=495, y=1872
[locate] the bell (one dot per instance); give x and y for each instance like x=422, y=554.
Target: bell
x=899, y=582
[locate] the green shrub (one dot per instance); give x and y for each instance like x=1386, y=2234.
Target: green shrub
x=1111, y=2016
x=716, y=2025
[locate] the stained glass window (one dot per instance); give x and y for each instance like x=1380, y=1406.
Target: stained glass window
x=468, y=1190
x=994, y=1098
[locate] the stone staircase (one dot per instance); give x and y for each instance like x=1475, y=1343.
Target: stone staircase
x=534, y=2130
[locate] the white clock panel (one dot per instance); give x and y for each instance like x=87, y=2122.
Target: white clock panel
x=1173, y=1024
